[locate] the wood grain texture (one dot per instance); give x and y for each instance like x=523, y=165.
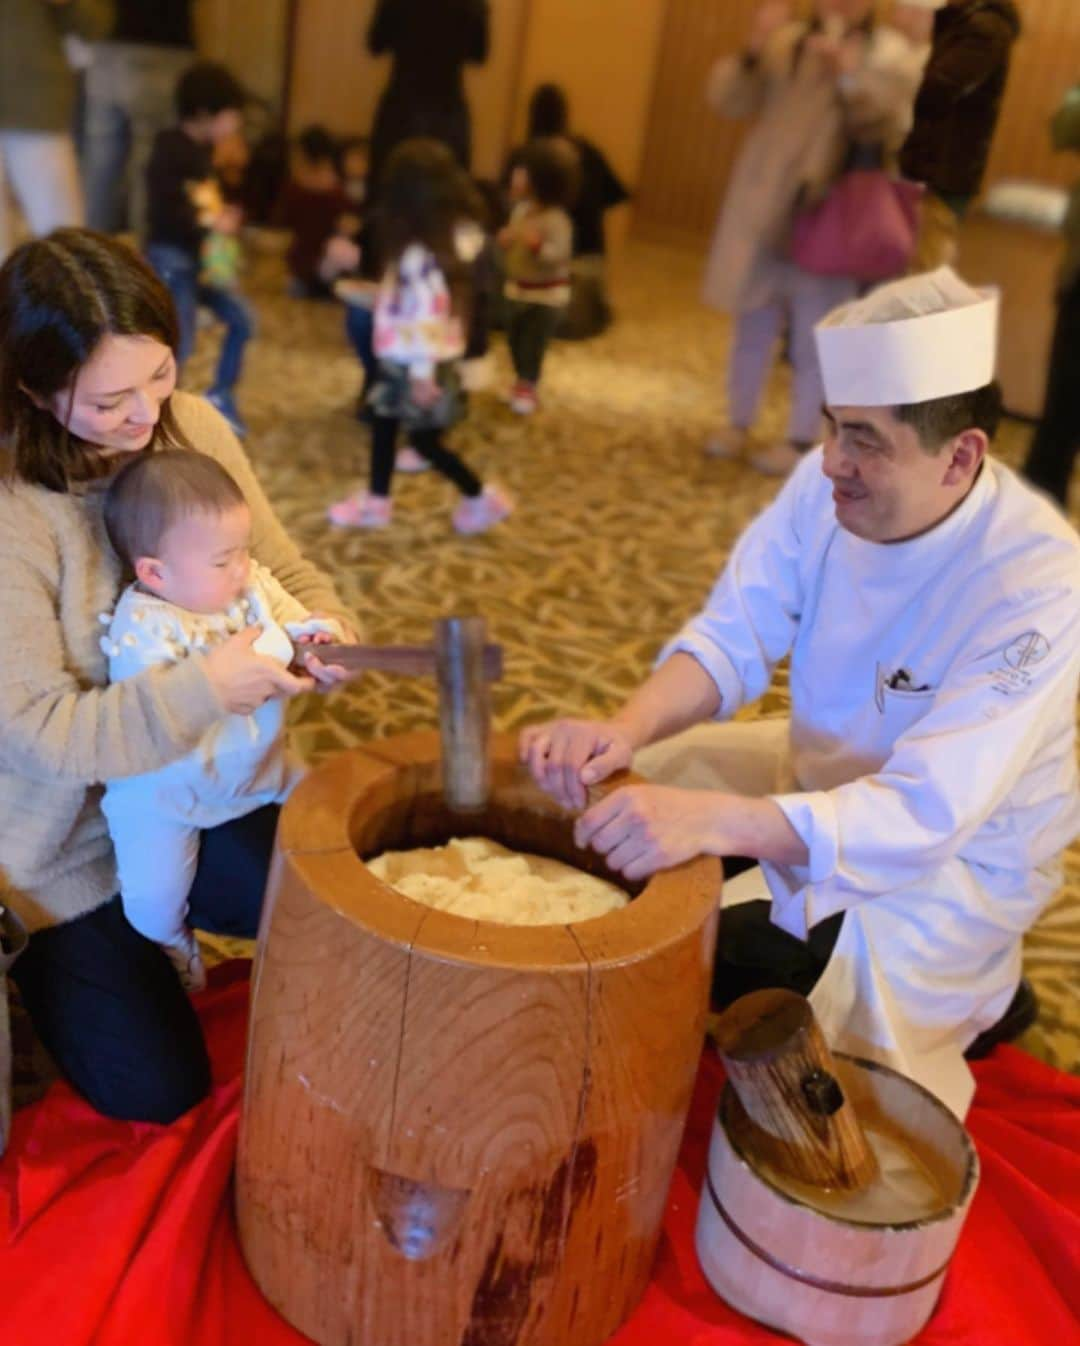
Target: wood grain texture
x=455, y=1132
x=414, y=661
x=464, y=710
x=841, y=1283
x=792, y=1110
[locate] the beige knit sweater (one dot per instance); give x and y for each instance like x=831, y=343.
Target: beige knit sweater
x=63, y=730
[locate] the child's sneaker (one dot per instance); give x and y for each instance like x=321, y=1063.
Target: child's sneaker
x=409, y=460
x=523, y=399
x=361, y=510
x=222, y=398
x=481, y=512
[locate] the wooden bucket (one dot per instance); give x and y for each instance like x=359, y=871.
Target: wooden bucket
x=826, y=1280
x=456, y=1132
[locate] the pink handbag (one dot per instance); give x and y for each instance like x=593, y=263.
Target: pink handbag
x=867, y=228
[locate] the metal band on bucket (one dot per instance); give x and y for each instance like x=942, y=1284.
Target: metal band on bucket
x=816, y=1282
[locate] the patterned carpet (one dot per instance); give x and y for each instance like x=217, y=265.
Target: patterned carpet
x=620, y=530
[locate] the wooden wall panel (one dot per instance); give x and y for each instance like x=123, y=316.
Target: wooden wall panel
x=250, y=36
x=689, y=152
x=1046, y=63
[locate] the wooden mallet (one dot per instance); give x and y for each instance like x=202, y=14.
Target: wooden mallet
x=792, y=1111
x=463, y=663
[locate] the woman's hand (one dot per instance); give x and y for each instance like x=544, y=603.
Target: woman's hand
x=564, y=757
x=244, y=680
x=644, y=828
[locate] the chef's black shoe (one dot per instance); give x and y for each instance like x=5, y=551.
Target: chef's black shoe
x=1022, y=1012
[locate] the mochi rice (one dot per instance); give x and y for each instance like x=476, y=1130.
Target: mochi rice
x=481, y=880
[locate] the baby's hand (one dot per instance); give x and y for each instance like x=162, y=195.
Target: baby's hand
x=425, y=392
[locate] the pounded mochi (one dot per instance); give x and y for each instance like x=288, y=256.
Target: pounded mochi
x=478, y=878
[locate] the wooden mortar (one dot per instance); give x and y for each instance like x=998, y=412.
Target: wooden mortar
x=456, y=1133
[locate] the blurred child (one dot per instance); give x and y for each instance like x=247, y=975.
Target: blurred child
x=429, y=239
x=320, y=214
x=181, y=525
x=538, y=242
x=185, y=208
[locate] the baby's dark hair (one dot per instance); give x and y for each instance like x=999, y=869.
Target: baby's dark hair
x=317, y=145
x=158, y=489
x=554, y=171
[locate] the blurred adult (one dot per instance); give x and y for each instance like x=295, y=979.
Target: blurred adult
x=817, y=92
x=956, y=113
x=1057, y=439
x=37, y=105
x=129, y=99
x=431, y=41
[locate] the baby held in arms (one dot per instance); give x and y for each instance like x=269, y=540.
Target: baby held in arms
x=181, y=526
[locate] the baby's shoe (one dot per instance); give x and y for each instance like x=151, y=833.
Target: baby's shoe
x=361, y=510
x=478, y=513
x=409, y=460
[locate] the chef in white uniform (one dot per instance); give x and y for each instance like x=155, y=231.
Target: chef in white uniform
x=925, y=786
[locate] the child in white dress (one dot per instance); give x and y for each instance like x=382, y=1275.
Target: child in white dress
x=181, y=526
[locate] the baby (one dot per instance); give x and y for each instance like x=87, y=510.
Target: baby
x=182, y=527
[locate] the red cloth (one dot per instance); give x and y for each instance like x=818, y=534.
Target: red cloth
x=113, y=1233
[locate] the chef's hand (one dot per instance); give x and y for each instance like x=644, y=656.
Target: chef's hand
x=768, y=17
x=566, y=756
x=326, y=675
x=643, y=828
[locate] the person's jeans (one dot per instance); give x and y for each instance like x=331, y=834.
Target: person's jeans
x=180, y=272
x=129, y=98
x=1053, y=451
x=43, y=174
x=529, y=329
x=109, y=1006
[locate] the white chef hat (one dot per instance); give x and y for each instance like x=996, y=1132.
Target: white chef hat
x=913, y=340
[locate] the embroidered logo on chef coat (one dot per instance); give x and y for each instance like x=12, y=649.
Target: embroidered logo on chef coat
x=901, y=680
x=1027, y=650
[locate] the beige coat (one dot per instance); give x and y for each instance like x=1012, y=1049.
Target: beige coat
x=804, y=122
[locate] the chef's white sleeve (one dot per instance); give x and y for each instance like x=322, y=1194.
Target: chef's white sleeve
x=947, y=775
x=751, y=617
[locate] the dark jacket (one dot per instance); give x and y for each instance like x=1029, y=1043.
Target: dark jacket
x=958, y=104
x=161, y=23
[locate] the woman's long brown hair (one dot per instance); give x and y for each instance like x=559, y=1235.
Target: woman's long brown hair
x=59, y=297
